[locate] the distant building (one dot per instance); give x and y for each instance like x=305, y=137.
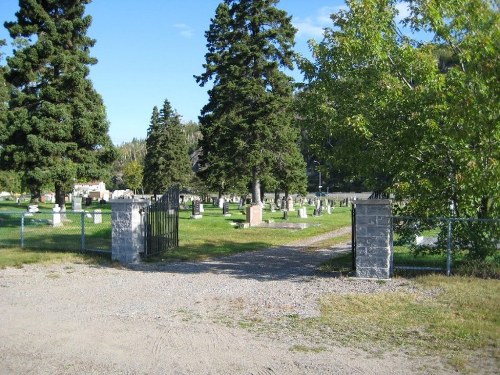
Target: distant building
x=94, y=189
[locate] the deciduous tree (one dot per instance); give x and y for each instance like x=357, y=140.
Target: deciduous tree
x=419, y=118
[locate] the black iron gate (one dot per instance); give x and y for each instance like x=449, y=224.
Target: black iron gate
x=162, y=223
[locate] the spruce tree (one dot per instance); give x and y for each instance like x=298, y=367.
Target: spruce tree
x=56, y=131
x=167, y=160
x=150, y=178
x=247, y=124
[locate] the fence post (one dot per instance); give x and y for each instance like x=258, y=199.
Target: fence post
x=22, y=230
x=448, y=255
x=82, y=243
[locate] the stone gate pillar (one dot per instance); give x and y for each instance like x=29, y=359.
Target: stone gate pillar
x=373, y=239
x=127, y=229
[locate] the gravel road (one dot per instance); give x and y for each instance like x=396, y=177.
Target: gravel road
x=181, y=318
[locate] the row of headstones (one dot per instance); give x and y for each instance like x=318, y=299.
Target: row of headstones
x=197, y=209
x=58, y=216
x=284, y=204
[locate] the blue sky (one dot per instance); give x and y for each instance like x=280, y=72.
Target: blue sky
x=149, y=50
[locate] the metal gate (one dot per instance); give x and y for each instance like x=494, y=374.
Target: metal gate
x=162, y=223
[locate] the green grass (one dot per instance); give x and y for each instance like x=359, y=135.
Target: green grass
x=215, y=235
x=17, y=257
x=212, y=236
x=40, y=234
x=454, y=318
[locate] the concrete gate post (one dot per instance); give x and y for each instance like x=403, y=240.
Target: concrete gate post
x=374, y=253
x=127, y=229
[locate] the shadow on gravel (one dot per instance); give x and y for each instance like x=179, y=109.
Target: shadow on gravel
x=282, y=263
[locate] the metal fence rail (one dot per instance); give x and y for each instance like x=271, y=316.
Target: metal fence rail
x=70, y=231
x=441, y=240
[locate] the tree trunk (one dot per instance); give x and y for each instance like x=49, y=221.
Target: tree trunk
x=255, y=188
x=60, y=195
x=36, y=195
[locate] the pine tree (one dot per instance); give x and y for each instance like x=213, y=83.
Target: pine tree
x=57, y=128
x=247, y=124
x=167, y=158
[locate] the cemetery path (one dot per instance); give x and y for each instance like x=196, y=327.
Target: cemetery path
x=226, y=316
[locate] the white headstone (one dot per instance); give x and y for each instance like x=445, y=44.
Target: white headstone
x=56, y=216
x=77, y=204
x=97, y=216
x=302, y=212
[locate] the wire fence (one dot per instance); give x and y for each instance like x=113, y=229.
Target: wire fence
x=70, y=231
x=434, y=244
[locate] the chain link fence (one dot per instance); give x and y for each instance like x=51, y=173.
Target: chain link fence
x=434, y=244
x=70, y=231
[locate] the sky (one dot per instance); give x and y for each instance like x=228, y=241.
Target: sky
x=149, y=51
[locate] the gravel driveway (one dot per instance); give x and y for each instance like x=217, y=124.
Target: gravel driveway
x=179, y=318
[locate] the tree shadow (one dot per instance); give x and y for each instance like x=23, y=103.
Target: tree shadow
x=293, y=263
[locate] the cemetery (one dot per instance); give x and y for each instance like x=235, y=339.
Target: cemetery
x=333, y=209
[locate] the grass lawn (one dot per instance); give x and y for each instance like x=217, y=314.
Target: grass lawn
x=457, y=318
x=216, y=235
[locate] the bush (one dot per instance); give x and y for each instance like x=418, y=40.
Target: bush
x=488, y=268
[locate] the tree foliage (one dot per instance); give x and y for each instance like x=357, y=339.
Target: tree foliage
x=132, y=175
x=413, y=117
x=56, y=130
x=167, y=159
x=247, y=124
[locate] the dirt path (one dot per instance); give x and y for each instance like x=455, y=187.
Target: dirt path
x=181, y=318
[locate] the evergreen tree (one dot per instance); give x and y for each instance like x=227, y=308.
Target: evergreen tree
x=247, y=123
x=167, y=158
x=56, y=130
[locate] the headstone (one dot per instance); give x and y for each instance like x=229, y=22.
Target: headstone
x=302, y=212
x=289, y=204
x=77, y=204
x=202, y=209
x=88, y=201
x=221, y=202
x=254, y=215
x=97, y=216
x=56, y=216
x=195, y=210
x=225, y=209
x=33, y=208
x=329, y=209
